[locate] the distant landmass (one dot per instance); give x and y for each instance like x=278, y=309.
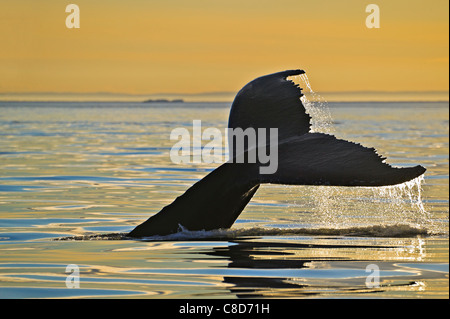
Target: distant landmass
x=225, y=96
x=164, y=101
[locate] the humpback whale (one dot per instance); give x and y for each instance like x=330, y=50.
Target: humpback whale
x=304, y=158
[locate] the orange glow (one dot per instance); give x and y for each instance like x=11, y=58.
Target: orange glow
x=160, y=46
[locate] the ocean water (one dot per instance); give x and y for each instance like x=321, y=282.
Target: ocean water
x=75, y=177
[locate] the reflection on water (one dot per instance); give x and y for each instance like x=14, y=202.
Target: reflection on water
x=331, y=271
x=243, y=268
x=87, y=169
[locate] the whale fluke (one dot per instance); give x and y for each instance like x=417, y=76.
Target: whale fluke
x=271, y=101
x=304, y=158
x=322, y=159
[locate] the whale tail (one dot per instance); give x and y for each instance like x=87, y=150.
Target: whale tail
x=304, y=158
x=322, y=159
x=218, y=199
x=214, y=202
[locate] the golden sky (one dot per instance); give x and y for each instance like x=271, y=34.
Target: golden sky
x=166, y=46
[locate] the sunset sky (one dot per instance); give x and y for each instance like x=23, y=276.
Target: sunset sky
x=200, y=46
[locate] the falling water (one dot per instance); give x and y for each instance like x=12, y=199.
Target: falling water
x=350, y=207
x=316, y=106
x=388, y=205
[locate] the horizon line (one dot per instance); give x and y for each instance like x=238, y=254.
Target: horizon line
x=222, y=96
x=215, y=92
x=205, y=101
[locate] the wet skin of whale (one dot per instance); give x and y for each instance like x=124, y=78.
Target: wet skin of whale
x=304, y=158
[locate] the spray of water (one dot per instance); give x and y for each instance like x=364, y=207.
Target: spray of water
x=398, y=196
x=398, y=204
x=315, y=105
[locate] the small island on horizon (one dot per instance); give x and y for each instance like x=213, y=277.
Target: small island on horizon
x=163, y=101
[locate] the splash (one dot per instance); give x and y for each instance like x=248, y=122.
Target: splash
x=407, y=193
x=388, y=211
x=398, y=230
x=385, y=205
x=316, y=106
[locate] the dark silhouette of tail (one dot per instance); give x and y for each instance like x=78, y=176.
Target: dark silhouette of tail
x=304, y=158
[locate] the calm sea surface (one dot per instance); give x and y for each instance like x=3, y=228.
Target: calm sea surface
x=84, y=169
